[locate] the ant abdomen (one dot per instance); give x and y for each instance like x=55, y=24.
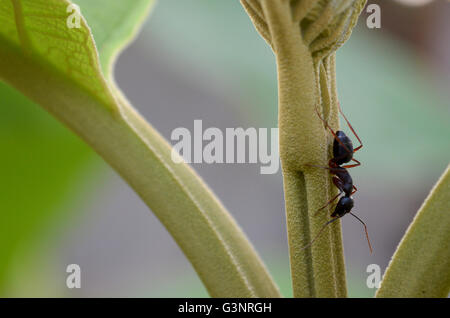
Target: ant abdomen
x=343, y=150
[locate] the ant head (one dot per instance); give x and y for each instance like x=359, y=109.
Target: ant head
x=346, y=203
x=344, y=206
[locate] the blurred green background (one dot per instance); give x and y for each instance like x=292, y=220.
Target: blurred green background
x=197, y=59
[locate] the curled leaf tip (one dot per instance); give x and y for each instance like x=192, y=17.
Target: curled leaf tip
x=324, y=25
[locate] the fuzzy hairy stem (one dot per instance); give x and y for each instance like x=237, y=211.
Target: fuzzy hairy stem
x=301, y=34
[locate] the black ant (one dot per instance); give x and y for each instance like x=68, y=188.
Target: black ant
x=342, y=153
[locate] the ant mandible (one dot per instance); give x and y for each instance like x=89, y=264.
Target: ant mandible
x=342, y=153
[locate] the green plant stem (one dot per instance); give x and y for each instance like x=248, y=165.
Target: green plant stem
x=421, y=265
x=304, y=35
x=215, y=245
x=317, y=271
x=336, y=231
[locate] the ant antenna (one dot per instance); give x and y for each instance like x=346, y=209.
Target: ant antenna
x=365, y=229
x=321, y=230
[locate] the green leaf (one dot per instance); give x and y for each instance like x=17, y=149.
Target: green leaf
x=114, y=24
x=421, y=265
x=52, y=161
x=58, y=68
x=37, y=30
x=43, y=169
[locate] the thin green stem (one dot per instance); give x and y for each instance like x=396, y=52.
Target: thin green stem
x=208, y=235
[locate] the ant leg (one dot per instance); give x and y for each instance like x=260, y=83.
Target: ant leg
x=354, y=190
x=321, y=230
x=328, y=203
x=338, y=183
x=332, y=131
x=351, y=128
x=352, y=166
